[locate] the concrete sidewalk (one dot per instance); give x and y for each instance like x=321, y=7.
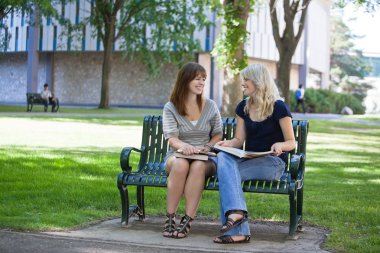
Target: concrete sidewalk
x=111, y=236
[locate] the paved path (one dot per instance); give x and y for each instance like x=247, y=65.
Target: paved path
x=110, y=236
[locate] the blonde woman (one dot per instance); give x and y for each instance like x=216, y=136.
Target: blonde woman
x=263, y=123
x=190, y=123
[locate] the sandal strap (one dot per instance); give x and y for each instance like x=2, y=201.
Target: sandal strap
x=230, y=223
x=170, y=223
x=184, y=226
x=226, y=239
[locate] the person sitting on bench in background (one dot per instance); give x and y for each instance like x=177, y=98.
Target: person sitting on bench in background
x=48, y=98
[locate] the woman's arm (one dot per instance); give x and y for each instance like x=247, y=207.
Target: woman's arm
x=238, y=140
x=287, y=131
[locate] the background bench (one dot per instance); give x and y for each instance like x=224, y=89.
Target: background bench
x=35, y=98
x=150, y=171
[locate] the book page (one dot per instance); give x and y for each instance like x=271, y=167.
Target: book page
x=242, y=153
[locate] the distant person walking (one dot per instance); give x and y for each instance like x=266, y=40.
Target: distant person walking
x=300, y=93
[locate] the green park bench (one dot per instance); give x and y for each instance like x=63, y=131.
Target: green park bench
x=36, y=99
x=150, y=171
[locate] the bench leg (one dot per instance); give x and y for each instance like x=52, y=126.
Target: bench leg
x=299, y=209
x=30, y=107
x=140, y=202
x=124, y=205
x=293, y=213
x=124, y=200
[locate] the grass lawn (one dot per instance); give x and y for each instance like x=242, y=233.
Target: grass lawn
x=55, y=187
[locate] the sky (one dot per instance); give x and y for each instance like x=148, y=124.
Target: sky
x=367, y=25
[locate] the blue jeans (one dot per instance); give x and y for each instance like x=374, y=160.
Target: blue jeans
x=232, y=171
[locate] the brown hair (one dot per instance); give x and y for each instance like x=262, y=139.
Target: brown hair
x=186, y=74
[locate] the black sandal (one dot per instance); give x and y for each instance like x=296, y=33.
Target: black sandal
x=230, y=223
x=169, y=227
x=184, y=227
x=227, y=239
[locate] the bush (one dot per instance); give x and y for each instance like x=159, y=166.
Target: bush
x=325, y=101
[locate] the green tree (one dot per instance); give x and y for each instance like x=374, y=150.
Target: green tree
x=13, y=6
x=229, y=48
x=155, y=32
x=345, y=59
x=369, y=5
x=347, y=64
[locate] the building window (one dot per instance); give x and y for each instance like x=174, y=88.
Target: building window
x=69, y=40
x=63, y=6
x=12, y=18
x=41, y=37
x=55, y=38
x=207, y=42
x=27, y=36
x=77, y=12
x=84, y=39
x=98, y=43
x=22, y=18
x=92, y=7
x=48, y=20
x=16, y=40
x=6, y=39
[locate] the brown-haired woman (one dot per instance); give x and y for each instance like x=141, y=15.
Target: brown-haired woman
x=190, y=123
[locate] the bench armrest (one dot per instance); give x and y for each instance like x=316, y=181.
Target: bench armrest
x=124, y=158
x=295, y=166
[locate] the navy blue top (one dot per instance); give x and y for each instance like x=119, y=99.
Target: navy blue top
x=260, y=136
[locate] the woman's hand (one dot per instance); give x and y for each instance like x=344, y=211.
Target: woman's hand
x=227, y=143
x=203, y=148
x=188, y=149
x=277, y=149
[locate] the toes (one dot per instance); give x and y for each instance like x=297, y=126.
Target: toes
x=181, y=235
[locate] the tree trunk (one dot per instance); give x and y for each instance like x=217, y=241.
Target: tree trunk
x=232, y=93
x=283, y=74
x=108, y=43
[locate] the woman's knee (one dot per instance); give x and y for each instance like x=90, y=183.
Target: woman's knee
x=198, y=169
x=179, y=166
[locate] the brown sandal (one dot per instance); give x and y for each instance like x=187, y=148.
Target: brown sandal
x=169, y=226
x=184, y=227
x=230, y=223
x=227, y=239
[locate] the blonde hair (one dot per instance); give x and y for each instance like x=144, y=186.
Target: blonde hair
x=266, y=92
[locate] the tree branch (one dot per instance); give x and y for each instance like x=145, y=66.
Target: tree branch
x=275, y=26
x=126, y=19
x=301, y=25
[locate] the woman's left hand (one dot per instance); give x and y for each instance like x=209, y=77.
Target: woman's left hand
x=276, y=149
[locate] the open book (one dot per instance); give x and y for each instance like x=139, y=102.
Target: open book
x=202, y=155
x=242, y=153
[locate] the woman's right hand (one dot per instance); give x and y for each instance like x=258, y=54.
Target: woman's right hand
x=227, y=143
x=188, y=149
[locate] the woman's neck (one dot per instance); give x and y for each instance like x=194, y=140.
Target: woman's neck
x=191, y=99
